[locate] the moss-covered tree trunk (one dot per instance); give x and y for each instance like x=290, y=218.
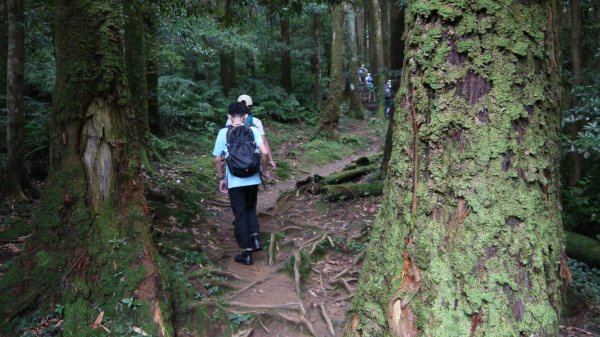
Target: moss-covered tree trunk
x=15, y=87
x=286, y=53
x=91, y=250
x=151, y=27
x=330, y=114
x=315, y=60
x=135, y=63
x=355, y=109
x=469, y=241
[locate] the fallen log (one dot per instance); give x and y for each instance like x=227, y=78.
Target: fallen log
x=344, y=176
x=583, y=248
x=351, y=191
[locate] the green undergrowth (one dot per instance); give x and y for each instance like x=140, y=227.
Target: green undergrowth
x=586, y=281
x=320, y=151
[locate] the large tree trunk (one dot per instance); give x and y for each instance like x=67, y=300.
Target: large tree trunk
x=575, y=158
x=361, y=34
x=330, y=115
x=356, y=108
x=15, y=130
x=385, y=31
x=135, y=63
x=91, y=250
x=286, y=55
x=151, y=24
x=396, y=44
x=3, y=54
x=377, y=68
x=469, y=239
x=315, y=60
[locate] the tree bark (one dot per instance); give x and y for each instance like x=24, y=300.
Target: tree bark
x=388, y=145
x=286, y=55
x=154, y=119
x=15, y=75
x=385, y=32
x=361, y=34
x=135, y=64
x=330, y=115
x=469, y=238
x=315, y=60
x=3, y=53
x=378, y=70
x=396, y=44
x=356, y=108
x=91, y=247
x=575, y=158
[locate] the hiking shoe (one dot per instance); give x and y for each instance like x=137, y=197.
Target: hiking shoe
x=245, y=258
x=255, y=242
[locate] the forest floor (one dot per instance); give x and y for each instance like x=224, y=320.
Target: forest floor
x=303, y=281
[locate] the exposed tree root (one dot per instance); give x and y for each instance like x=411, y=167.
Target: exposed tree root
x=345, y=283
x=297, y=273
x=246, y=288
x=244, y=333
x=352, y=264
x=300, y=320
x=272, y=249
x=327, y=320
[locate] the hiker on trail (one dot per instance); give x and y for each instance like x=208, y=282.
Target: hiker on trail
x=362, y=74
x=237, y=144
x=388, y=98
x=253, y=121
x=370, y=87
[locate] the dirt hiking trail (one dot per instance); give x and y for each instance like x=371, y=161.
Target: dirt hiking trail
x=302, y=282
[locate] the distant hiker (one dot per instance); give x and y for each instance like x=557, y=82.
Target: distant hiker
x=237, y=144
x=362, y=74
x=370, y=87
x=388, y=98
x=253, y=121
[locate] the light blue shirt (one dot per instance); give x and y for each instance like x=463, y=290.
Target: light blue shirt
x=221, y=149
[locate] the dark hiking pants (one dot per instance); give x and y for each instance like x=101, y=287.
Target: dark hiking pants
x=243, y=205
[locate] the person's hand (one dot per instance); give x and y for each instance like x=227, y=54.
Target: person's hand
x=273, y=165
x=223, y=186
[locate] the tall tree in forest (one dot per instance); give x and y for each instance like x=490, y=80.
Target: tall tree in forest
x=315, y=60
x=396, y=43
x=377, y=66
x=469, y=239
x=15, y=86
x=286, y=52
x=384, y=6
x=3, y=54
x=135, y=64
x=575, y=160
x=361, y=35
x=355, y=109
x=330, y=115
x=91, y=249
x=226, y=57
x=151, y=39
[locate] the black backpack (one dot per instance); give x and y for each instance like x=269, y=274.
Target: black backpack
x=242, y=161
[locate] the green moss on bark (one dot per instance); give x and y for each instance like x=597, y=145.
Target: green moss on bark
x=481, y=240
